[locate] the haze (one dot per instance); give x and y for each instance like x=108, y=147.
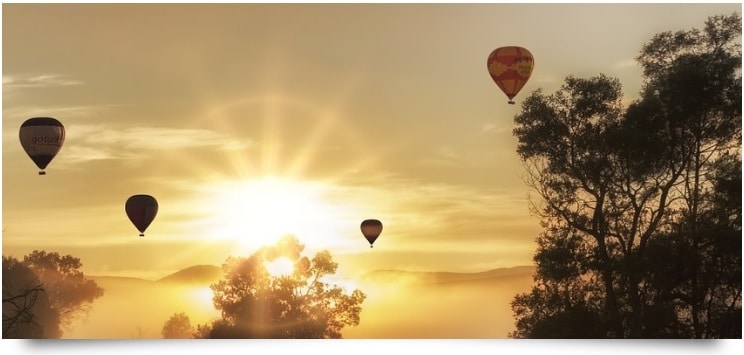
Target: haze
x=249, y=121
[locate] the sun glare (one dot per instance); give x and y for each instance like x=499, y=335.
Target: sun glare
x=347, y=285
x=203, y=296
x=255, y=213
x=280, y=267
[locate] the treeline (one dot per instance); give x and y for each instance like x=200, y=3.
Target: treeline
x=44, y=293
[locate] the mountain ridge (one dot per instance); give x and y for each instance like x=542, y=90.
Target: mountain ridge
x=439, y=277
x=207, y=274
x=194, y=274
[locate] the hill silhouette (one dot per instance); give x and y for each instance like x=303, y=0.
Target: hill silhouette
x=197, y=274
x=434, y=277
x=208, y=274
x=193, y=275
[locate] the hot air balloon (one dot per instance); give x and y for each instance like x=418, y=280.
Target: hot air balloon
x=510, y=67
x=141, y=210
x=371, y=229
x=42, y=138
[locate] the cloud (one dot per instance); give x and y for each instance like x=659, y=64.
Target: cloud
x=625, y=63
x=445, y=216
x=444, y=156
x=492, y=128
x=38, y=81
x=96, y=142
x=78, y=153
x=23, y=112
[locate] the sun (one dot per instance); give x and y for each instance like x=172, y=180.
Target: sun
x=274, y=195
x=203, y=296
x=280, y=267
x=255, y=213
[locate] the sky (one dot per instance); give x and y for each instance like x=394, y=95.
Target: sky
x=249, y=121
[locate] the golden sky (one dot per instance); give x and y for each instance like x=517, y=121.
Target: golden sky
x=246, y=121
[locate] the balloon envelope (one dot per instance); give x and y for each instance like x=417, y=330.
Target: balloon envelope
x=371, y=229
x=510, y=68
x=42, y=138
x=141, y=210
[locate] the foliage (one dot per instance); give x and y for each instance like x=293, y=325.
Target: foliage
x=178, y=326
x=301, y=304
x=70, y=293
x=640, y=206
x=27, y=312
x=43, y=294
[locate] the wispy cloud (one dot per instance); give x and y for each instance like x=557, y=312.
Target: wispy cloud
x=77, y=153
x=445, y=216
x=38, y=80
x=96, y=142
x=23, y=112
x=145, y=138
x=492, y=128
x=625, y=63
x=444, y=156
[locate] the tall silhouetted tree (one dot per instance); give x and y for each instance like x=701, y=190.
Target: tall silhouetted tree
x=27, y=312
x=696, y=82
x=178, y=326
x=632, y=199
x=301, y=304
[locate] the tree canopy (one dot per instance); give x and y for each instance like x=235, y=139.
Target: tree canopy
x=69, y=291
x=641, y=235
x=298, y=304
x=43, y=294
x=27, y=311
x=178, y=326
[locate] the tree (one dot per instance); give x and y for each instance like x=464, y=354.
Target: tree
x=299, y=304
x=27, y=312
x=619, y=188
x=178, y=326
x=696, y=79
x=70, y=293
x=704, y=259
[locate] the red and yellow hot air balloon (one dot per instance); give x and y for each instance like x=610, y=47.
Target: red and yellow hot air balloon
x=510, y=68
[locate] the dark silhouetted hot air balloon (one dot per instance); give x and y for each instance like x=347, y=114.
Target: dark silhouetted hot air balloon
x=42, y=138
x=371, y=228
x=141, y=210
x=510, y=68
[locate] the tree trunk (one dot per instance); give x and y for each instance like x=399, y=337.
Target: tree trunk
x=612, y=313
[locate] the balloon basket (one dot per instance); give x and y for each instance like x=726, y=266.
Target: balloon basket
x=511, y=102
x=142, y=234
x=42, y=172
